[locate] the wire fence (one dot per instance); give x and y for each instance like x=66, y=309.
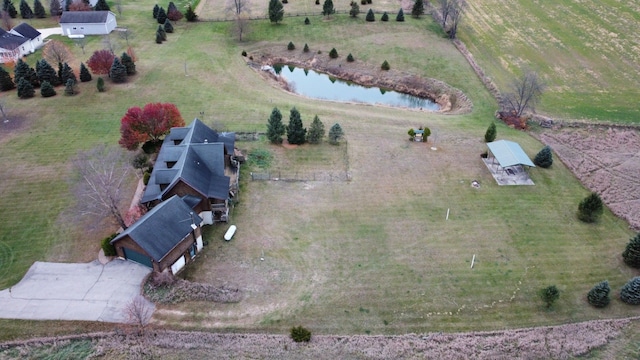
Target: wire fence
x=286, y=14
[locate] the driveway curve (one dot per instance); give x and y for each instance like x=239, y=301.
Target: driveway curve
x=87, y=291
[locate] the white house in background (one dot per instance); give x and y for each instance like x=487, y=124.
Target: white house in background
x=20, y=41
x=87, y=22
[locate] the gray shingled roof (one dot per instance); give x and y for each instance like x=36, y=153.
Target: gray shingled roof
x=11, y=41
x=26, y=30
x=84, y=17
x=198, y=163
x=162, y=228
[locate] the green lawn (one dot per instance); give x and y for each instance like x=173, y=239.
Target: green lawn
x=586, y=52
x=371, y=255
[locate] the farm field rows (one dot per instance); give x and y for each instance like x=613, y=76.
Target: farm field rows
x=371, y=255
x=587, y=52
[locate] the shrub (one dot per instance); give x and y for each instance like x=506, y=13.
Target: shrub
x=317, y=2
x=350, y=58
x=306, y=48
x=491, y=133
x=300, y=334
x=549, y=295
x=25, y=89
x=306, y=20
x=630, y=292
x=370, y=16
x=544, y=158
x=291, y=46
x=598, y=296
x=100, y=84
x=400, y=16
x=385, y=65
x=412, y=134
x=631, y=254
x=109, y=250
x=335, y=134
x=244, y=53
x=363, y=2
x=46, y=90
x=590, y=208
x=145, y=178
x=333, y=53
x=385, y=17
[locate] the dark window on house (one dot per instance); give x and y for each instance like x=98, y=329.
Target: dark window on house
x=177, y=142
x=163, y=186
x=170, y=164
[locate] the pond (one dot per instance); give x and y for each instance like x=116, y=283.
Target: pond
x=322, y=86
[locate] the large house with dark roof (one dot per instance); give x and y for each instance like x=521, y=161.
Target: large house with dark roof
x=196, y=163
x=87, y=22
x=167, y=237
x=18, y=42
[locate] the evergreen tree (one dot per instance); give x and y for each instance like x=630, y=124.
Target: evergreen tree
x=630, y=292
x=6, y=82
x=631, y=254
x=168, y=27
x=385, y=17
x=100, y=84
x=590, y=208
x=173, y=13
x=598, y=296
x=400, y=16
x=355, y=9
x=55, y=9
x=296, y=133
x=306, y=48
x=335, y=134
x=21, y=70
x=158, y=38
x=25, y=10
x=171, y=7
x=190, y=15
x=85, y=75
x=491, y=133
x=162, y=33
x=291, y=46
x=156, y=9
x=327, y=8
x=102, y=5
x=549, y=295
x=350, y=58
x=68, y=74
x=385, y=65
x=128, y=63
x=38, y=10
x=306, y=21
x=69, y=88
x=418, y=8
x=276, y=11
x=118, y=72
x=544, y=158
x=316, y=131
x=67, y=4
x=46, y=72
x=333, y=53
x=275, y=127
x=25, y=89
x=162, y=16
x=7, y=5
x=47, y=90
x=370, y=16
x=60, y=67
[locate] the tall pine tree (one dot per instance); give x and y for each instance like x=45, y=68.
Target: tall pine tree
x=38, y=10
x=118, y=72
x=7, y=5
x=327, y=8
x=85, y=75
x=102, y=5
x=6, y=82
x=275, y=127
x=68, y=74
x=418, y=8
x=55, y=9
x=128, y=63
x=631, y=254
x=335, y=134
x=316, y=131
x=296, y=133
x=162, y=16
x=276, y=11
x=25, y=10
x=25, y=89
x=47, y=73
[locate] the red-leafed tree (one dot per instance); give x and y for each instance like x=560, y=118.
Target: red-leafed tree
x=100, y=62
x=148, y=124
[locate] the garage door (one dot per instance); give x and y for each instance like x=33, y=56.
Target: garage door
x=137, y=257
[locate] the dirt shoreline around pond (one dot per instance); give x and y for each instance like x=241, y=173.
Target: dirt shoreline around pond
x=450, y=100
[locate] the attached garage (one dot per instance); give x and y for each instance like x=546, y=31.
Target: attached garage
x=165, y=238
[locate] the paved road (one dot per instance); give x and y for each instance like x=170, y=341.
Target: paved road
x=90, y=291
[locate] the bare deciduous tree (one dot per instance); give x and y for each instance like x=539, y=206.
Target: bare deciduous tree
x=81, y=42
x=525, y=94
x=138, y=312
x=3, y=110
x=126, y=35
x=451, y=11
x=102, y=172
x=55, y=52
x=7, y=23
x=238, y=7
x=241, y=26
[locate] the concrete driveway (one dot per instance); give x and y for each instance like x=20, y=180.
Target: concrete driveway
x=58, y=291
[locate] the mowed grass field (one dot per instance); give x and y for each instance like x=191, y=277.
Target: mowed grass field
x=371, y=255
x=587, y=52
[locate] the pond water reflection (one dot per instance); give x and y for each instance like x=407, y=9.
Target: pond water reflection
x=322, y=86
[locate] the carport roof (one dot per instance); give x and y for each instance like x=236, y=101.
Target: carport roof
x=509, y=153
